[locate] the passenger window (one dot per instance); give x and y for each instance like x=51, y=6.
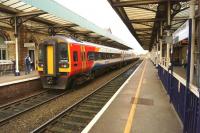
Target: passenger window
x=90, y=56
x=75, y=56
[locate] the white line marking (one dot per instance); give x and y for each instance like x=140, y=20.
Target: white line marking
x=18, y=81
x=99, y=114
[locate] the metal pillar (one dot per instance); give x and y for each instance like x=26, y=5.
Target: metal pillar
x=198, y=52
x=157, y=58
x=168, y=32
x=161, y=34
x=198, y=66
x=17, y=73
x=192, y=17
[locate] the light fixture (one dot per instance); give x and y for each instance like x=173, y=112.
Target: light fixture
x=176, y=6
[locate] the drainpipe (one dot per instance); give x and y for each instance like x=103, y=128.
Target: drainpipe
x=17, y=73
x=192, y=17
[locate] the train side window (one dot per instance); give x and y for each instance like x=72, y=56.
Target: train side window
x=75, y=56
x=90, y=56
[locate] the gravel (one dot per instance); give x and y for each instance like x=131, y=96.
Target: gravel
x=34, y=118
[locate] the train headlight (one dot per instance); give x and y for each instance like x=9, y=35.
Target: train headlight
x=63, y=64
x=40, y=64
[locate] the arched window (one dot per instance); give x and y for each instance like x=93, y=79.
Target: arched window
x=3, y=48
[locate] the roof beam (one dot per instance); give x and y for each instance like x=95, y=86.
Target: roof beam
x=23, y=14
x=141, y=2
x=157, y=19
x=143, y=29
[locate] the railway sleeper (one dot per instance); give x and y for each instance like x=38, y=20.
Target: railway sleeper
x=60, y=129
x=101, y=96
x=97, y=99
x=89, y=108
x=90, y=105
x=83, y=113
x=95, y=102
x=74, y=118
x=71, y=123
x=106, y=94
x=78, y=116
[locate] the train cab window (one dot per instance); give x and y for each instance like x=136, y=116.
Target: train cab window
x=75, y=56
x=63, y=52
x=91, y=56
x=41, y=56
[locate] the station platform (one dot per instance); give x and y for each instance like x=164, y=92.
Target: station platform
x=142, y=106
x=12, y=79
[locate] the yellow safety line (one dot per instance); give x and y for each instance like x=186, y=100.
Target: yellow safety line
x=133, y=108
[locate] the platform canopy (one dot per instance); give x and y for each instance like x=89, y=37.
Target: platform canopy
x=47, y=16
x=144, y=17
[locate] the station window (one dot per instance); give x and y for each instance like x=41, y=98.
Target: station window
x=3, y=49
x=75, y=56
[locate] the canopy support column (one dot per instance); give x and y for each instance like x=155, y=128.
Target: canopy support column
x=192, y=17
x=160, y=40
x=168, y=32
x=17, y=73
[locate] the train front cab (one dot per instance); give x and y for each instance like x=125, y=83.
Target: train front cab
x=54, y=64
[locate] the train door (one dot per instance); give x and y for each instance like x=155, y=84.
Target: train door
x=76, y=58
x=83, y=58
x=50, y=59
x=89, y=57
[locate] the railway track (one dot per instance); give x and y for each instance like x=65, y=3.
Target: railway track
x=78, y=116
x=11, y=110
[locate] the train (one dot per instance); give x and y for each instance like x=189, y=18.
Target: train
x=64, y=61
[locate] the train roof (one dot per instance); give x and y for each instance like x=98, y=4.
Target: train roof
x=71, y=40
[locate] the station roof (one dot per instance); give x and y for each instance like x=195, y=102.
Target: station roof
x=46, y=16
x=144, y=17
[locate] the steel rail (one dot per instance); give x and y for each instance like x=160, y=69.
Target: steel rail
x=76, y=117
x=11, y=110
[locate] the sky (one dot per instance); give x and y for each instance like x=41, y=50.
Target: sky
x=102, y=14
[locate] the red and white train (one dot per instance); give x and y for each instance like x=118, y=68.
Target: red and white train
x=63, y=60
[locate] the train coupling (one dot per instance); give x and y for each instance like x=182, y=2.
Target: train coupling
x=51, y=80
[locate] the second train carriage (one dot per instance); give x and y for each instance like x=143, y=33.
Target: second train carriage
x=63, y=60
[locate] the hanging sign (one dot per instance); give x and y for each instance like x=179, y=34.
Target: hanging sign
x=181, y=33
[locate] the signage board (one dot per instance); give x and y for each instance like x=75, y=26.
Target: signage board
x=181, y=33
x=9, y=42
x=30, y=44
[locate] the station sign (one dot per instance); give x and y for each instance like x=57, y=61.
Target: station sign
x=30, y=44
x=181, y=33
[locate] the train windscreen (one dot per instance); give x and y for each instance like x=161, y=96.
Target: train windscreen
x=41, y=57
x=63, y=56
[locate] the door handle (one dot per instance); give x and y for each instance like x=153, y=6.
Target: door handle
x=75, y=64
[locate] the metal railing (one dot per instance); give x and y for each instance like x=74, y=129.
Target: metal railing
x=189, y=112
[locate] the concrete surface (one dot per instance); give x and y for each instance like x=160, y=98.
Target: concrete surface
x=154, y=114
